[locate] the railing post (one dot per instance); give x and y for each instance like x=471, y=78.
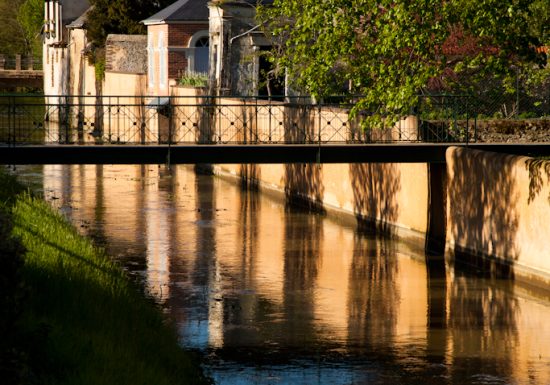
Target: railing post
x=319, y=127
x=2, y=62
x=467, y=120
x=11, y=121
x=66, y=119
x=18, y=62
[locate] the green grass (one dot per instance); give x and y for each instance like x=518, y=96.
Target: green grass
x=83, y=320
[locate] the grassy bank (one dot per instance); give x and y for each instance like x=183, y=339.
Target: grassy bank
x=76, y=318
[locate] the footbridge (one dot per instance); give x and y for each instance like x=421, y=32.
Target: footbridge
x=202, y=129
x=20, y=71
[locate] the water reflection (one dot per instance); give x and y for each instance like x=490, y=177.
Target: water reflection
x=276, y=295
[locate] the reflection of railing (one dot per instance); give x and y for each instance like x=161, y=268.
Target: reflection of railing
x=205, y=119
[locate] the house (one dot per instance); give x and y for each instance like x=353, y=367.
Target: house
x=237, y=42
x=56, y=59
x=177, y=43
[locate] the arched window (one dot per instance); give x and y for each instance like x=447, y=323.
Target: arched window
x=199, y=53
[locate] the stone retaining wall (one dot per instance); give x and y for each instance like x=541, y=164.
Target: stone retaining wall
x=498, y=208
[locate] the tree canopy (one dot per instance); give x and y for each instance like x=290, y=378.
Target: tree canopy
x=31, y=18
x=388, y=51
x=12, y=37
x=21, y=22
x=120, y=16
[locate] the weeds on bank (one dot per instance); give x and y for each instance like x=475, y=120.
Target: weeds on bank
x=77, y=318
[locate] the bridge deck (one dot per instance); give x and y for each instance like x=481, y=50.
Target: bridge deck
x=289, y=153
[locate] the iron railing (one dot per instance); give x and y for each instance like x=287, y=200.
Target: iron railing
x=79, y=119
x=20, y=62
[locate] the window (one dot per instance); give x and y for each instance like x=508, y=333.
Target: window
x=162, y=61
x=201, y=55
x=150, y=61
x=198, y=52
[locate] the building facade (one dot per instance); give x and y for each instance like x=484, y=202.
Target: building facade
x=177, y=44
x=56, y=55
x=237, y=53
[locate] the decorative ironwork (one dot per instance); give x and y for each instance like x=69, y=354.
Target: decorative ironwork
x=78, y=119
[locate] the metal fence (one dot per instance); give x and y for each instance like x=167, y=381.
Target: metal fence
x=20, y=62
x=79, y=119
x=523, y=95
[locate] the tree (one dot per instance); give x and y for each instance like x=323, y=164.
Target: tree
x=12, y=38
x=31, y=17
x=120, y=16
x=388, y=51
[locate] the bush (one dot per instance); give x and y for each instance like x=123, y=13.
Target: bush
x=193, y=79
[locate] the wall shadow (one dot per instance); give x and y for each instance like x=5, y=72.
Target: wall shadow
x=250, y=175
x=483, y=214
x=304, y=185
x=437, y=214
x=536, y=168
x=375, y=188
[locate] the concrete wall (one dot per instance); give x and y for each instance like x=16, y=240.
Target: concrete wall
x=81, y=72
x=499, y=206
x=234, y=58
x=157, y=55
x=395, y=196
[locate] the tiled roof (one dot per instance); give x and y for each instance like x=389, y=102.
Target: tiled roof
x=191, y=10
x=181, y=10
x=81, y=21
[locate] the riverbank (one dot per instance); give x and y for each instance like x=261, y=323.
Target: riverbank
x=70, y=315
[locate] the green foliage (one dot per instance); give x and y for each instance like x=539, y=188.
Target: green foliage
x=99, y=67
x=388, y=51
x=120, y=17
x=12, y=35
x=31, y=17
x=193, y=79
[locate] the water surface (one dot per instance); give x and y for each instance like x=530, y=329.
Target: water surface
x=273, y=294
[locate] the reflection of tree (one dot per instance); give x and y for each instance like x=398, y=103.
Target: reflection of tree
x=206, y=232
x=482, y=322
x=373, y=292
x=248, y=234
x=375, y=187
x=303, y=239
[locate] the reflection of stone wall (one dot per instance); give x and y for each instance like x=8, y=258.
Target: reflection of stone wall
x=498, y=205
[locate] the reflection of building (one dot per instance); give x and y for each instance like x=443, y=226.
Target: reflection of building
x=177, y=42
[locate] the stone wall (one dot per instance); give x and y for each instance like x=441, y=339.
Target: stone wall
x=392, y=196
x=126, y=54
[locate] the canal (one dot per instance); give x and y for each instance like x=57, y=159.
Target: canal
x=273, y=294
